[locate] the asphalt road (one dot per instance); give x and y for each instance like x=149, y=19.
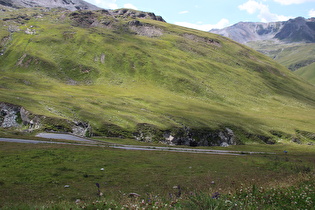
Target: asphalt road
x=82, y=142
x=61, y=136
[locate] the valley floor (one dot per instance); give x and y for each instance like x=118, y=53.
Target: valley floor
x=67, y=174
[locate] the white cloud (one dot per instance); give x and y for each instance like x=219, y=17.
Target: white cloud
x=130, y=6
x=183, y=12
x=252, y=6
x=106, y=4
x=289, y=2
x=205, y=27
x=263, y=11
x=311, y=13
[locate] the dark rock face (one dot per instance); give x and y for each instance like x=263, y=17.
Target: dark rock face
x=203, y=137
x=84, y=19
x=293, y=30
x=186, y=136
x=7, y=3
x=297, y=30
x=68, y=4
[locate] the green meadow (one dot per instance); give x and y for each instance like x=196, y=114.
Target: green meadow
x=46, y=176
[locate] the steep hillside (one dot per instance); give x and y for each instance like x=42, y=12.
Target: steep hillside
x=307, y=72
x=290, y=43
x=294, y=56
x=68, y=4
x=128, y=73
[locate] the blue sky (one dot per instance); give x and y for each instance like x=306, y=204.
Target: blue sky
x=208, y=14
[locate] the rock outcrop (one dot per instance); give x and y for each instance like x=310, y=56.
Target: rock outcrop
x=13, y=116
x=186, y=136
x=67, y=4
x=129, y=13
x=9, y=115
x=110, y=19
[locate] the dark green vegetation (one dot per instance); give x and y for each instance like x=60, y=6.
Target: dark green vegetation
x=36, y=177
x=298, y=57
x=116, y=71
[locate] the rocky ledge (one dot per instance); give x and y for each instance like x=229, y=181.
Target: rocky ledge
x=187, y=136
x=13, y=116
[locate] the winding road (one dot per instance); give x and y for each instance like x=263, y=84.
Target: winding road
x=88, y=142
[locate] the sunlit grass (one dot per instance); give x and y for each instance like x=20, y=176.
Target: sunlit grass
x=37, y=175
x=183, y=78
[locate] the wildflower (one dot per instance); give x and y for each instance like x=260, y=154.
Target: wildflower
x=216, y=195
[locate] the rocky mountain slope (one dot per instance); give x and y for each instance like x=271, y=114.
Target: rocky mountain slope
x=127, y=73
x=291, y=43
x=244, y=32
x=68, y=4
x=293, y=30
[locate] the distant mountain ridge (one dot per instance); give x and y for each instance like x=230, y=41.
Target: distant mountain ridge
x=291, y=43
x=68, y=4
x=297, y=30
x=293, y=30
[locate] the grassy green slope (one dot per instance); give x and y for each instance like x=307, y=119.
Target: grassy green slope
x=307, y=72
x=111, y=76
x=298, y=57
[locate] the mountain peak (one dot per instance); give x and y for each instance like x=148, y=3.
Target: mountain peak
x=294, y=30
x=298, y=29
